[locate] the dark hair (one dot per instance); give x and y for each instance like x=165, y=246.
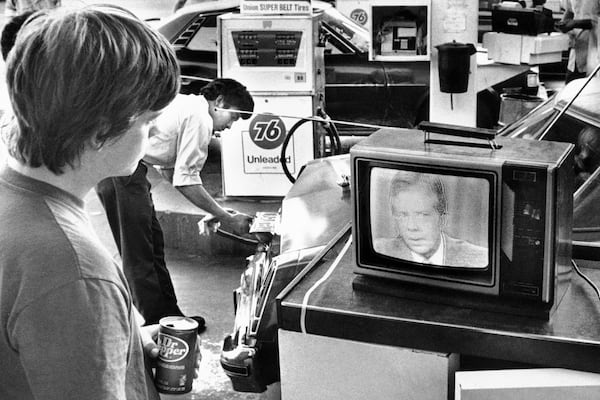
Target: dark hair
x=10, y=30
x=233, y=93
x=80, y=77
x=406, y=181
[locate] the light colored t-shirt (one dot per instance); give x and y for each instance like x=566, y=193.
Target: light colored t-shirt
x=68, y=327
x=179, y=139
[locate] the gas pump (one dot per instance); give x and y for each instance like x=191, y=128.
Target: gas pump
x=279, y=60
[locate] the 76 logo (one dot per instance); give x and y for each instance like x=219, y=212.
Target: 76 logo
x=267, y=131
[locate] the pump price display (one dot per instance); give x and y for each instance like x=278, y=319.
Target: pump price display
x=275, y=7
x=267, y=48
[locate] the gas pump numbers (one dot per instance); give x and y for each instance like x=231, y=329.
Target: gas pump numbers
x=262, y=48
x=267, y=131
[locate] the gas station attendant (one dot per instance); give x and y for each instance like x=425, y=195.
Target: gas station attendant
x=178, y=147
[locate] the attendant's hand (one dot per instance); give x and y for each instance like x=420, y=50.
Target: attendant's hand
x=565, y=26
x=208, y=225
x=238, y=224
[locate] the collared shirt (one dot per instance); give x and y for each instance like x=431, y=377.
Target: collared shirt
x=436, y=258
x=179, y=139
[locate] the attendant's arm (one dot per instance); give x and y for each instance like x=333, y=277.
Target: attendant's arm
x=567, y=23
x=237, y=223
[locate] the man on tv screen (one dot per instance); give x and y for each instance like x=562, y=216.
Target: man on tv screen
x=419, y=210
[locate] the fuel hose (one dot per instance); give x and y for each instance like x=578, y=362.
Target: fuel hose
x=332, y=132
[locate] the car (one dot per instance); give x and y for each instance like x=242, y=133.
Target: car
x=321, y=196
x=578, y=122
x=356, y=89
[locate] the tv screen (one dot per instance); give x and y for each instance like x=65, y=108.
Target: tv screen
x=430, y=219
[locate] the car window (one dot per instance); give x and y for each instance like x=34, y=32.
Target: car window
x=334, y=43
x=330, y=48
x=205, y=38
x=579, y=125
x=531, y=125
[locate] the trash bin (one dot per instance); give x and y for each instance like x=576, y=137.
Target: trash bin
x=515, y=105
x=454, y=66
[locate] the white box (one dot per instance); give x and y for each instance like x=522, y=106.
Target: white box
x=514, y=49
x=543, y=48
x=503, y=47
x=542, y=58
x=527, y=384
x=553, y=5
x=325, y=368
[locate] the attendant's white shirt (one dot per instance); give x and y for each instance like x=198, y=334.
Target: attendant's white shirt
x=437, y=258
x=179, y=139
x=584, y=42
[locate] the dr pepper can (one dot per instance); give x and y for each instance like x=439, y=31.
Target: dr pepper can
x=176, y=363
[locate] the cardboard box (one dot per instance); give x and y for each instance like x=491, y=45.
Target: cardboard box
x=527, y=384
x=543, y=48
x=542, y=58
x=503, y=47
x=325, y=368
x=553, y=5
x=514, y=49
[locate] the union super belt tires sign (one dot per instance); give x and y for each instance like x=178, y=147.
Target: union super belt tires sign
x=267, y=7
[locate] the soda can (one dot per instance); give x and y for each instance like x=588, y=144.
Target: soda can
x=176, y=363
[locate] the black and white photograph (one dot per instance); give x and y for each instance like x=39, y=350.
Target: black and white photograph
x=283, y=199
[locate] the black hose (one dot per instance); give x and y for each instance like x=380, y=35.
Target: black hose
x=284, y=146
x=334, y=137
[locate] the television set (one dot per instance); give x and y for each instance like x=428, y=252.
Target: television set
x=481, y=223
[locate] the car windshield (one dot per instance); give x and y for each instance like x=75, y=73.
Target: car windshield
x=579, y=125
x=586, y=105
x=585, y=110
x=586, y=215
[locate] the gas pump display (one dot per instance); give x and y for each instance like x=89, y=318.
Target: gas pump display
x=278, y=59
x=267, y=49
